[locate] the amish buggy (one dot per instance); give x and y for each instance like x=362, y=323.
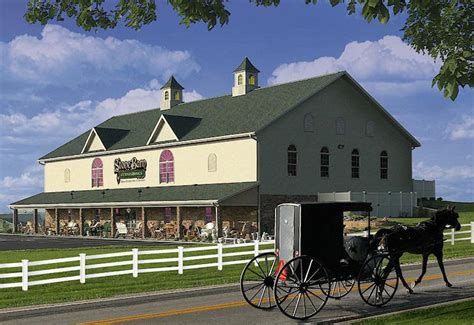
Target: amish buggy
x=314, y=260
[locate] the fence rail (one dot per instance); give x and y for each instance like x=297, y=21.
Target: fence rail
x=215, y=253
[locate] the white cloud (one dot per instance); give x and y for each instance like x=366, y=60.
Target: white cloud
x=461, y=130
x=31, y=177
x=436, y=172
x=70, y=120
x=384, y=66
x=62, y=57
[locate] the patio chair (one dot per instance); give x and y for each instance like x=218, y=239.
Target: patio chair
x=121, y=230
x=106, y=230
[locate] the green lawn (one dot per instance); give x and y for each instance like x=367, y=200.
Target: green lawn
x=457, y=313
x=460, y=206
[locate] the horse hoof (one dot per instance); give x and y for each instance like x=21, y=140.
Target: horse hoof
x=409, y=291
x=449, y=285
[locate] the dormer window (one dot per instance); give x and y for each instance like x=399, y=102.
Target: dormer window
x=252, y=80
x=167, y=95
x=239, y=79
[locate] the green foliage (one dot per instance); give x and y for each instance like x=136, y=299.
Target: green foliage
x=441, y=28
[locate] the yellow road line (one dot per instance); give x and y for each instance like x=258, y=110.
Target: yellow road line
x=234, y=304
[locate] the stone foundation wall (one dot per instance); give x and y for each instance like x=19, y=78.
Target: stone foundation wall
x=268, y=203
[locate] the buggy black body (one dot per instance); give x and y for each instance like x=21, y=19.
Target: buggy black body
x=314, y=260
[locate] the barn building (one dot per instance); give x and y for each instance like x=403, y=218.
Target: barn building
x=229, y=160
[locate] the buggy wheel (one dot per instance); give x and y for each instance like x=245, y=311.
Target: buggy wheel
x=256, y=281
x=341, y=288
x=378, y=280
x=300, y=287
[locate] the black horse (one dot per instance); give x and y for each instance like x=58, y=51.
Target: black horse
x=425, y=238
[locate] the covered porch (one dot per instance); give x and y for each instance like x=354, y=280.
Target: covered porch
x=195, y=213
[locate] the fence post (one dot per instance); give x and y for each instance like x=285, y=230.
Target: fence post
x=135, y=262
x=472, y=232
x=24, y=275
x=180, y=259
x=219, y=256
x=452, y=236
x=82, y=268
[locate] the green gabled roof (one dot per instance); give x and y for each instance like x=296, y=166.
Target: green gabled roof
x=181, y=125
x=202, y=192
x=172, y=83
x=218, y=116
x=110, y=136
x=246, y=65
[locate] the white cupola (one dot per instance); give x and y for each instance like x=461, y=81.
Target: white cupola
x=245, y=78
x=171, y=94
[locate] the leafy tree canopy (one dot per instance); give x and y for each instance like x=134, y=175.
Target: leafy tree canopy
x=441, y=28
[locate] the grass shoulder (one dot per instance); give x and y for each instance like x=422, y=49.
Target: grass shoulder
x=456, y=313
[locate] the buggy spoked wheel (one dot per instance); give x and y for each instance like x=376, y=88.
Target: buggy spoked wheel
x=256, y=281
x=300, y=288
x=378, y=280
x=341, y=288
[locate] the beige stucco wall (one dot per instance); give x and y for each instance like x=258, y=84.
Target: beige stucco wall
x=236, y=162
x=339, y=100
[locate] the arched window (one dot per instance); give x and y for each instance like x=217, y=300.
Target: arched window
x=324, y=162
x=292, y=156
x=177, y=96
x=97, y=173
x=67, y=175
x=384, y=165
x=166, y=167
x=340, y=126
x=239, y=79
x=370, y=129
x=355, y=163
x=212, y=162
x=252, y=80
x=308, y=123
x=167, y=95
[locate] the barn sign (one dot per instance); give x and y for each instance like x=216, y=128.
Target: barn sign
x=129, y=169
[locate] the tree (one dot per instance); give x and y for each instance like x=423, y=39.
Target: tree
x=441, y=28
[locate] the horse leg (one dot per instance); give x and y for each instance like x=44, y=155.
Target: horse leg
x=423, y=270
x=398, y=269
x=439, y=257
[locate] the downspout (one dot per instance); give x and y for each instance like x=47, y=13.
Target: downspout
x=259, y=228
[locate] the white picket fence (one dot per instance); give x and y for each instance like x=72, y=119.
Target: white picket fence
x=212, y=252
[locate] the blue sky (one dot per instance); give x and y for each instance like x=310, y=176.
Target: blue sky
x=57, y=81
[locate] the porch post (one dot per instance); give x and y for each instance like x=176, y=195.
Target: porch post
x=35, y=221
x=81, y=222
x=15, y=220
x=56, y=221
x=144, y=223
x=178, y=220
x=218, y=221
x=112, y=223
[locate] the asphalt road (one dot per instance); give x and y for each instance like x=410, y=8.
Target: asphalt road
x=17, y=242
x=225, y=305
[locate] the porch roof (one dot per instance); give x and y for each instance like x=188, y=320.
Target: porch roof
x=187, y=195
